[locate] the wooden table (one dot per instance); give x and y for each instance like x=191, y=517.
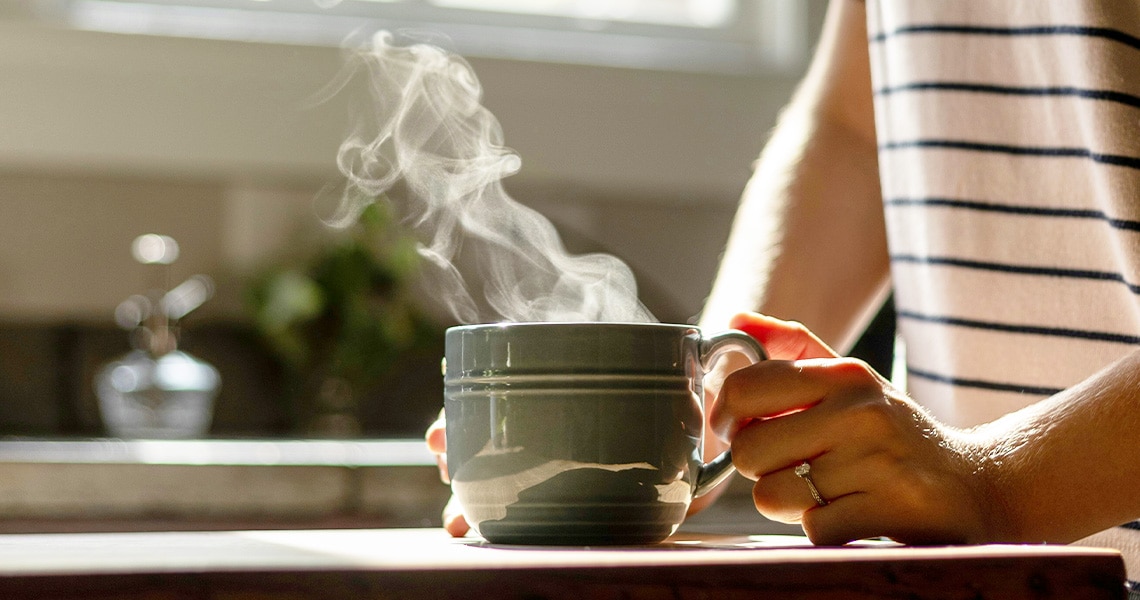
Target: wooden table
x=425, y=563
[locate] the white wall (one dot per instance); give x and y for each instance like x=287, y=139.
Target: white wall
x=105, y=136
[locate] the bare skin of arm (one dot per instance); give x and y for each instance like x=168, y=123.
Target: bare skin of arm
x=808, y=243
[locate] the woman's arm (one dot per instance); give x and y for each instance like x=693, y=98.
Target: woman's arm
x=808, y=242
x=1068, y=466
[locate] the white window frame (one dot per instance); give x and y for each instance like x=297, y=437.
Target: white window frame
x=767, y=35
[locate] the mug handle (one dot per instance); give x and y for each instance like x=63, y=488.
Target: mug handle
x=712, y=347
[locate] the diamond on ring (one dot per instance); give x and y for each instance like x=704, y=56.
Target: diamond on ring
x=803, y=471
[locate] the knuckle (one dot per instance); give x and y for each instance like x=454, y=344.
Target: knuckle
x=856, y=371
x=873, y=408
x=914, y=495
x=874, y=415
x=798, y=326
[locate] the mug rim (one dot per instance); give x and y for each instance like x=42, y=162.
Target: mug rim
x=572, y=324
x=580, y=347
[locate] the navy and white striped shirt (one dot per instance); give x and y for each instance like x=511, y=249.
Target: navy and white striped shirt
x=1009, y=153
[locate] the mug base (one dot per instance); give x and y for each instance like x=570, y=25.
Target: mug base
x=569, y=534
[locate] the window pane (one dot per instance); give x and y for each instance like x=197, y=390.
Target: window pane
x=687, y=13
x=734, y=36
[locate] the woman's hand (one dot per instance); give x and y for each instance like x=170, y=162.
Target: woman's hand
x=883, y=466
x=436, y=438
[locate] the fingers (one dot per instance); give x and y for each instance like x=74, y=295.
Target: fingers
x=865, y=515
x=784, y=496
x=850, y=514
x=883, y=466
x=860, y=428
x=436, y=438
x=453, y=521
x=778, y=387
x=784, y=340
x=842, y=521
x=881, y=472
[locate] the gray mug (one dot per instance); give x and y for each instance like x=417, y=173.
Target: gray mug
x=580, y=433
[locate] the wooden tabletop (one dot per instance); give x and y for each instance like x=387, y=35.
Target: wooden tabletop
x=426, y=563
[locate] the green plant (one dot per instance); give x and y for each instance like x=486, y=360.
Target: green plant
x=341, y=317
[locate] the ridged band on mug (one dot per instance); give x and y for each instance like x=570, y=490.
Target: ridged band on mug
x=567, y=383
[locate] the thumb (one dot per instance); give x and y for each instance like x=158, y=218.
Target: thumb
x=784, y=340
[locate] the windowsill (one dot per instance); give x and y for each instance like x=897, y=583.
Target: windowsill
x=221, y=452
x=121, y=485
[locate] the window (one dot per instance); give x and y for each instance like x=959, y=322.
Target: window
x=728, y=36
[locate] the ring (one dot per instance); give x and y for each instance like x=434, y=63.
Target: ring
x=803, y=471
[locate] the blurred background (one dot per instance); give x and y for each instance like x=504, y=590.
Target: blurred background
x=207, y=124
x=204, y=120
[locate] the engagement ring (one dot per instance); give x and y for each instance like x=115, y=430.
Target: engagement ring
x=803, y=471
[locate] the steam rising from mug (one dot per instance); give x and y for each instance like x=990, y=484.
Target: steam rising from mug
x=438, y=155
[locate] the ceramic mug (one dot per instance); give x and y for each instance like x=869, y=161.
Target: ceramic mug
x=580, y=433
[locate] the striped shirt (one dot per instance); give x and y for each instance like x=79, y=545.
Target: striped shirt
x=1009, y=153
